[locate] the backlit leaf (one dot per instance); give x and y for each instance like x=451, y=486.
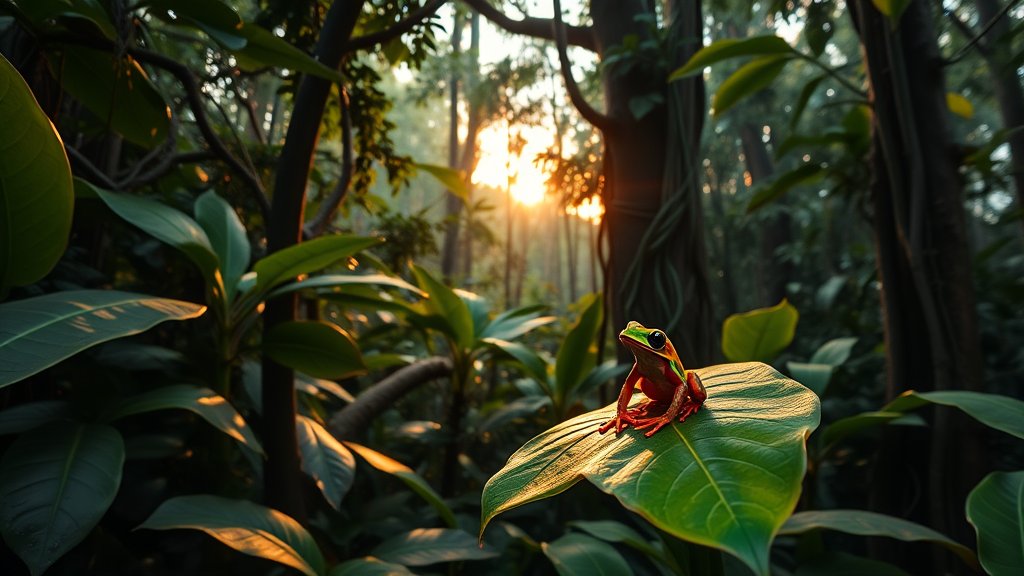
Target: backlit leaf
x=306, y=257
x=227, y=238
x=411, y=479
x=36, y=194
x=959, y=105
x=325, y=460
x=36, y=333
x=731, y=48
x=425, y=546
x=759, y=335
x=319, y=349
x=727, y=477
x=247, y=527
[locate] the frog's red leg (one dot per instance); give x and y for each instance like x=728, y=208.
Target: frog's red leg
x=682, y=406
x=622, y=419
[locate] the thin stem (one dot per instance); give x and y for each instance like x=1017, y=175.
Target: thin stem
x=831, y=72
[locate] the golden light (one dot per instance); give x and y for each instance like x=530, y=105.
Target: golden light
x=591, y=210
x=495, y=167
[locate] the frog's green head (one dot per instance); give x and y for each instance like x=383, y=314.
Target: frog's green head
x=647, y=342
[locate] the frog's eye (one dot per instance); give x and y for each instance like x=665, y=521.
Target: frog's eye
x=656, y=340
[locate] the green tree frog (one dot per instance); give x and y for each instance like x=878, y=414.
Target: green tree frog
x=674, y=392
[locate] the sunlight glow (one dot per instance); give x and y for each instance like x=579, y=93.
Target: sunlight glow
x=591, y=210
x=529, y=182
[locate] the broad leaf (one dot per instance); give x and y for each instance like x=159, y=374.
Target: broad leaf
x=36, y=194
x=325, y=460
x=834, y=352
x=247, y=527
x=611, y=531
x=863, y=523
x=116, y=90
x=226, y=236
x=581, y=555
x=728, y=477
x=55, y=485
x=264, y=49
x=445, y=305
x=216, y=19
x=510, y=411
x=168, y=225
x=24, y=417
x=853, y=424
x=527, y=358
x=759, y=335
x=749, y=79
x=996, y=510
x=411, y=479
x=425, y=546
x=287, y=264
x=803, y=174
x=731, y=48
x=369, y=566
x=324, y=283
x=36, y=333
x=40, y=11
x=453, y=180
x=609, y=370
x=510, y=326
x=814, y=376
x=202, y=402
x=993, y=410
x=577, y=354
x=319, y=349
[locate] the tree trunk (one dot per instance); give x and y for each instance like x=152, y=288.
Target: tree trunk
x=924, y=262
x=775, y=231
x=1006, y=86
x=453, y=205
x=658, y=269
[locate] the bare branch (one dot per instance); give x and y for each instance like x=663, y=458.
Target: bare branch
x=89, y=167
x=581, y=36
x=357, y=416
x=329, y=206
x=406, y=24
x=589, y=113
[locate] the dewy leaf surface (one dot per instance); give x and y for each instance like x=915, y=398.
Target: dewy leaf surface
x=728, y=477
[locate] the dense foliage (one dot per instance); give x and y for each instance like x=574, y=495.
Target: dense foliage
x=274, y=295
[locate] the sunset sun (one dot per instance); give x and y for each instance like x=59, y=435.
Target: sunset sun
x=529, y=182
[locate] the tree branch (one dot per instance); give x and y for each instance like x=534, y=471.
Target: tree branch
x=329, y=206
x=589, y=113
x=357, y=416
x=581, y=36
x=406, y=24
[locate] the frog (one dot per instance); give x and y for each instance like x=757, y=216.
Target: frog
x=672, y=391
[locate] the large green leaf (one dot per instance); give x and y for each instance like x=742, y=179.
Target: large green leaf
x=582, y=555
x=216, y=19
x=425, y=546
x=513, y=323
x=453, y=180
x=577, y=354
x=863, y=523
x=264, y=49
x=319, y=349
x=612, y=531
x=817, y=373
x=36, y=333
x=996, y=510
x=530, y=360
x=203, y=402
x=247, y=527
x=844, y=427
x=42, y=11
x=117, y=91
x=759, y=335
x=1000, y=412
x=325, y=460
x=752, y=77
x=834, y=352
x=731, y=48
x=36, y=194
x=226, y=236
x=727, y=477
x=168, y=225
x=445, y=305
x=285, y=265
x=323, y=284
x=411, y=479
x=55, y=484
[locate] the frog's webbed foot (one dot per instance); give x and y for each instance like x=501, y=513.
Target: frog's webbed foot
x=620, y=422
x=658, y=422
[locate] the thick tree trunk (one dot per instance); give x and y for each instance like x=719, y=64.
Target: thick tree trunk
x=658, y=269
x=924, y=261
x=453, y=205
x=282, y=484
